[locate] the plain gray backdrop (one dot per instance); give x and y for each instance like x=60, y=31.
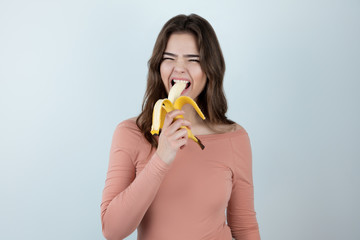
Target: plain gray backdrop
x=70, y=71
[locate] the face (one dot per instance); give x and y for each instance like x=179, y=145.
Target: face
x=181, y=61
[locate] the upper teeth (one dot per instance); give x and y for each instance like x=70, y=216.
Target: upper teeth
x=184, y=81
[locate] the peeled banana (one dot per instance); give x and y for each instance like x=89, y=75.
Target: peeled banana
x=174, y=101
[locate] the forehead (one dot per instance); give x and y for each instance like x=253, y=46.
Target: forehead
x=182, y=43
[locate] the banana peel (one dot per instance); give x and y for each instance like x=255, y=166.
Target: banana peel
x=174, y=101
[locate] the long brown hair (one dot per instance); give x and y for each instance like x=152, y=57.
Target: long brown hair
x=212, y=99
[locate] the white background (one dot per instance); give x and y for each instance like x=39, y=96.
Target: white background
x=70, y=71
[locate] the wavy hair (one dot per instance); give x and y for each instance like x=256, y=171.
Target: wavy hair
x=212, y=99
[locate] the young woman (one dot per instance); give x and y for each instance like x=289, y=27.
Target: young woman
x=166, y=186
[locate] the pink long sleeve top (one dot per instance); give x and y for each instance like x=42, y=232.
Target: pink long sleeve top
x=192, y=198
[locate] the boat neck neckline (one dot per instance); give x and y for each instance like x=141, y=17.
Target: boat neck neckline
x=213, y=135
x=221, y=135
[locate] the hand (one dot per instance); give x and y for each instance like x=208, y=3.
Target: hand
x=172, y=137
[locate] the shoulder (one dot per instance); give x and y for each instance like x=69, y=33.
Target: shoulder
x=127, y=133
x=227, y=128
x=241, y=145
x=240, y=139
x=238, y=127
x=129, y=124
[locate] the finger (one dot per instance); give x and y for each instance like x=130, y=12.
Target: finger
x=187, y=124
x=177, y=123
x=182, y=143
x=169, y=118
x=181, y=133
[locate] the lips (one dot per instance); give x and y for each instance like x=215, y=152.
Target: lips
x=188, y=83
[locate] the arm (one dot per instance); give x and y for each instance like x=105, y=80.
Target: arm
x=241, y=215
x=125, y=198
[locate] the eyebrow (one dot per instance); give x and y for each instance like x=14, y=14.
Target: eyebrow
x=186, y=55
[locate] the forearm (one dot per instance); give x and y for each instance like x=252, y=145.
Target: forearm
x=125, y=212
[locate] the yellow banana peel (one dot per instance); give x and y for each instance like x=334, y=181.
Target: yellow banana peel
x=174, y=101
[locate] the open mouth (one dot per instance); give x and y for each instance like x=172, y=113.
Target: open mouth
x=173, y=81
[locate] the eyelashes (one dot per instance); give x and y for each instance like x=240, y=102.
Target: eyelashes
x=190, y=60
x=194, y=60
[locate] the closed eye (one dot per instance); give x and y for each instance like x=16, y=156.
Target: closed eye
x=194, y=60
x=167, y=58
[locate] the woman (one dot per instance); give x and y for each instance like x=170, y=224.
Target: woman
x=166, y=186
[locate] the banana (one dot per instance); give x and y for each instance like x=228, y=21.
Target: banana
x=174, y=101
x=176, y=90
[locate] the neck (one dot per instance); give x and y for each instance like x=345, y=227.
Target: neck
x=192, y=116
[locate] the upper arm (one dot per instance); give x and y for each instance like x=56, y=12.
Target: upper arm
x=121, y=169
x=241, y=213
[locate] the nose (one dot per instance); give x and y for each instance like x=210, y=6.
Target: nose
x=179, y=66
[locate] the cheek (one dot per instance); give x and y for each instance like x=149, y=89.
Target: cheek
x=164, y=73
x=198, y=74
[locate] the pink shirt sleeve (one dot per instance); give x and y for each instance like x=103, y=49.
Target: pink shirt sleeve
x=125, y=198
x=241, y=215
